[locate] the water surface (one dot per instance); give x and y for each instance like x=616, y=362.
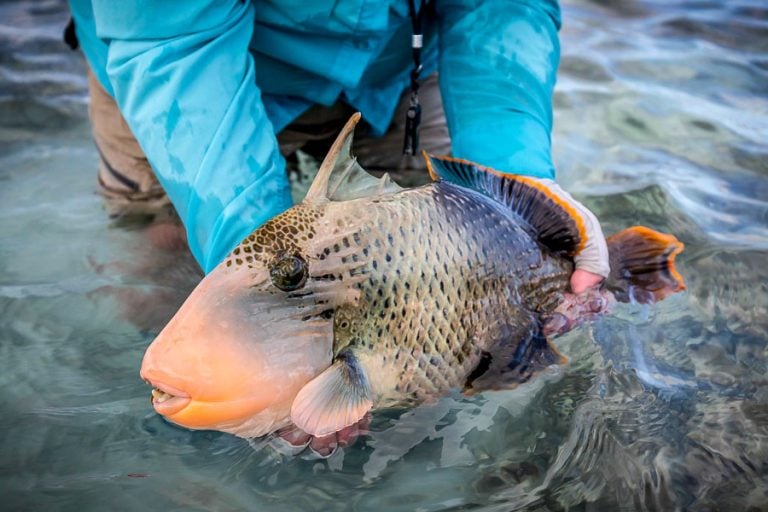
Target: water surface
x=661, y=119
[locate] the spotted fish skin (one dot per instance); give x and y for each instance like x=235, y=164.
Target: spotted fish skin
x=432, y=279
x=366, y=295
x=450, y=274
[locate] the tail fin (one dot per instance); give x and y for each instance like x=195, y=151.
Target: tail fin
x=643, y=265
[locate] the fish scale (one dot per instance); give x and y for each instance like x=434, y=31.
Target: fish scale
x=366, y=295
x=442, y=269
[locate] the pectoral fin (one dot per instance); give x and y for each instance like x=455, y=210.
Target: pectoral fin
x=337, y=398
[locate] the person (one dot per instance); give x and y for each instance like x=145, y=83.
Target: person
x=199, y=106
x=198, y=103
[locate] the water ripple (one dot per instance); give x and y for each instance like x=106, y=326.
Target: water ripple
x=661, y=116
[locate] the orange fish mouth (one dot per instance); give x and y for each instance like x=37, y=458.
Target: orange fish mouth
x=168, y=400
x=232, y=413
x=222, y=364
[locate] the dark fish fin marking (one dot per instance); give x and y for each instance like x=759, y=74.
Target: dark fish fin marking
x=506, y=365
x=337, y=398
x=483, y=365
x=643, y=265
x=556, y=224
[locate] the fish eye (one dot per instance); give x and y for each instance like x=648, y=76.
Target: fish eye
x=288, y=272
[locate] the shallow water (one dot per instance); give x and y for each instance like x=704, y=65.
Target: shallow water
x=661, y=119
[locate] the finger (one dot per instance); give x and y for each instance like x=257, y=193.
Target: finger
x=324, y=446
x=348, y=435
x=364, y=424
x=582, y=280
x=556, y=323
x=294, y=436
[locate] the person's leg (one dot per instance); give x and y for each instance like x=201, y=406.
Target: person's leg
x=315, y=130
x=385, y=154
x=125, y=178
x=305, y=142
x=131, y=190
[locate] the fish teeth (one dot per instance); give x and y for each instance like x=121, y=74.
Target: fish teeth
x=160, y=396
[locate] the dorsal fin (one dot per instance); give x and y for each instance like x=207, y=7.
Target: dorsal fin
x=341, y=178
x=555, y=222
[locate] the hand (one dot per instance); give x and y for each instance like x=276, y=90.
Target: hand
x=325, y=446
x=574, y=310
x=583, y=280
x=591, y=262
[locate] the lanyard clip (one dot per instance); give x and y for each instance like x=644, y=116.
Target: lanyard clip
x=413, y=116
x=412, y=120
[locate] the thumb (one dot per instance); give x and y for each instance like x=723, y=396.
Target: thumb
x=582, y=280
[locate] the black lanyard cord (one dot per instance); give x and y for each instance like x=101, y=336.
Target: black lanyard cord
x=413, y=115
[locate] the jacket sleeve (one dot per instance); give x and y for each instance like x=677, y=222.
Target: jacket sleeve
x=184, y=80
x=498, y=63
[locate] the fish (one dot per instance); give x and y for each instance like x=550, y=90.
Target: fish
x=367, y=295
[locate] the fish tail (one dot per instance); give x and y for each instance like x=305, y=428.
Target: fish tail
x=643, y=265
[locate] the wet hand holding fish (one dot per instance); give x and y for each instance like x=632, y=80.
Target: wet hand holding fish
x=367, y=295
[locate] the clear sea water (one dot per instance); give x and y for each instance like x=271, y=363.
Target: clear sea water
x=661, y=119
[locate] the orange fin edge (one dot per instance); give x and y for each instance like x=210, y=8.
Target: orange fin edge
x=641, y=258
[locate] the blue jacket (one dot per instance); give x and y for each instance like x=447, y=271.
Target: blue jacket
x=206, y=84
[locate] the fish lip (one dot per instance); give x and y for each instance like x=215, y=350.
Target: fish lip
x=169, y=406
x=165, y=388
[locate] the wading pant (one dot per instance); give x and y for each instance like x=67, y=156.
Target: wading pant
x=131, y=190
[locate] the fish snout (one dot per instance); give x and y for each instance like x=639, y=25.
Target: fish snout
x=166, y=398
x=205, y=378
x=217, y=365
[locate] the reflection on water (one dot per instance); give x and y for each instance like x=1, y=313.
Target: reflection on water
x=661, y=119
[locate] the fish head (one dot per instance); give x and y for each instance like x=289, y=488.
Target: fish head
x=253, y=332
x=260, y=325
